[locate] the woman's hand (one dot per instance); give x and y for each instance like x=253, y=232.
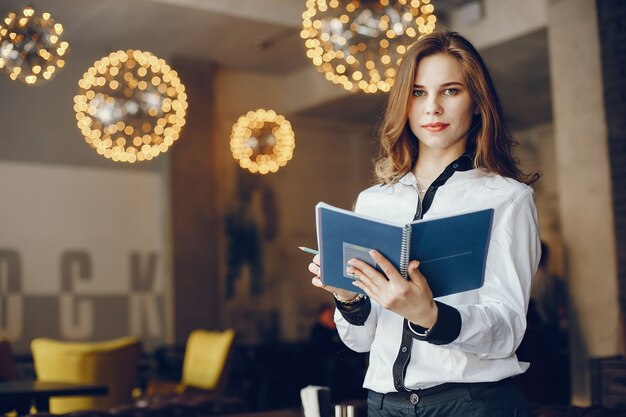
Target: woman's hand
x=411, y=299
x=314, y=267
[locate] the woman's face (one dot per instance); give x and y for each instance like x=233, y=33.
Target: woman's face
x=440, y=106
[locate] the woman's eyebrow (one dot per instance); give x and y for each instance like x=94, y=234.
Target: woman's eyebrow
x=442, y=85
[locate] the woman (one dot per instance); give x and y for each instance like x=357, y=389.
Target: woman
x=444, y=150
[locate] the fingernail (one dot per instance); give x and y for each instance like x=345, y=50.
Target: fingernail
x=351, y=262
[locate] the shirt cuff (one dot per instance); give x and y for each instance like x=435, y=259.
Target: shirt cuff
x=445, y=330
x=357, y=313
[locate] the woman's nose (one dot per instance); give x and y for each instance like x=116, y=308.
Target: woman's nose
x=433, y=107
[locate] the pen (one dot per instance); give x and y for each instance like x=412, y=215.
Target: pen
x=308, y=250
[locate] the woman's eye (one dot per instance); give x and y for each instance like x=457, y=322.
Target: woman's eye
x=419, y=93
x=450, y=91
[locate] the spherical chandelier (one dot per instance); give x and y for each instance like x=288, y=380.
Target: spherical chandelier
x=130, y=106
x=31, y=49
x=358, y=44
x=262, y=141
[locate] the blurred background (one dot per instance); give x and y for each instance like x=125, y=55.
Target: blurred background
x=94, y=249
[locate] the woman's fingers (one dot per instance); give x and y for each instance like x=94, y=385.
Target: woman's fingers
x=418, y=278
x=410, y=298
x=371, y=278
x=316, y=281
x=387, y=267
x=314, y=268
x=388, y=288
x=368, y=276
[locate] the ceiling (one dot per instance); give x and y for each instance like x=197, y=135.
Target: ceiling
x=263, y=36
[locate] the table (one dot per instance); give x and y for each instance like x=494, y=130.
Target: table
x=22, y=394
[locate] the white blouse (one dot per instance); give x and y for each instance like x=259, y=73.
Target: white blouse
x=493, y=317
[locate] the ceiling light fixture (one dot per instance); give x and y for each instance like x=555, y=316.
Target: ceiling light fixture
x=262, y=141
x=31, y=49
x=358, y=44
x=131, y=106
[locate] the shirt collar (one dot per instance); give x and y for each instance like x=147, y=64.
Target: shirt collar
x=463, y=163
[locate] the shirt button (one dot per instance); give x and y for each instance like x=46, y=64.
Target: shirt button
x=431, y=188
x=414, y=398
x=404, y=349
x=455, y=166
x=397, y=381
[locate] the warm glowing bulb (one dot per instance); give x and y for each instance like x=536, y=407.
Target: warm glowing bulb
x=137, y=106
x=261, y=141
x=28, y=50
x=354, y=45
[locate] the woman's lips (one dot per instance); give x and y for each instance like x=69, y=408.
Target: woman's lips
x=435, y=127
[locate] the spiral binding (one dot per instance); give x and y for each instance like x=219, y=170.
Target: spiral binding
x=404, y=250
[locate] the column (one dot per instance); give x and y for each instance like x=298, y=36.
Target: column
x=584, y=181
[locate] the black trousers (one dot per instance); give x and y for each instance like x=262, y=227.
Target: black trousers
x=485, y=399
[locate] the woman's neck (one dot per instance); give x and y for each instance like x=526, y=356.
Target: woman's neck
x=431, y=163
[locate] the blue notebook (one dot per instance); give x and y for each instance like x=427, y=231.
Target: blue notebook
x=452, y=250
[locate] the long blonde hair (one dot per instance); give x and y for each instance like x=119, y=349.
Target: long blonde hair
x=488, y=138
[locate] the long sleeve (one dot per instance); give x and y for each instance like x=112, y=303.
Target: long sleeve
x=493, y=327
x=358, y=337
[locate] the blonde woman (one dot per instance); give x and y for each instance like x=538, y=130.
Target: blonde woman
x=444, y=150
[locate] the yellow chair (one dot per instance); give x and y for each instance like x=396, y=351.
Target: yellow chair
x=206, y=356
x=204, y=365
x=113, y=363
